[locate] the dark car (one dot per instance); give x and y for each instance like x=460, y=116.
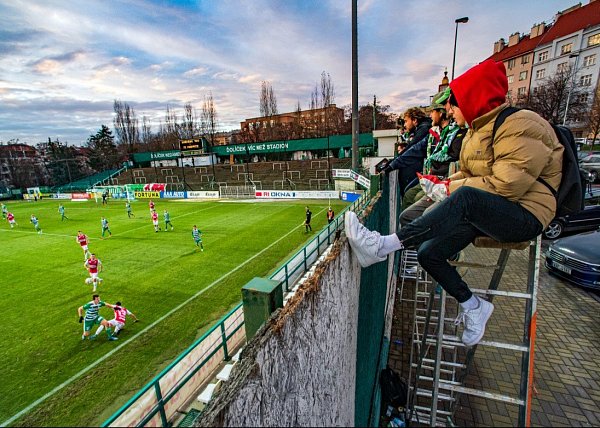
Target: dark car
x=588, y=219
x=576, y=258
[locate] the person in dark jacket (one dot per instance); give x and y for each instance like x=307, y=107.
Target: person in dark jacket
x=417, y=124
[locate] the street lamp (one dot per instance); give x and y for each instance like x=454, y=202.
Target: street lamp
x=576, y=56
x=462, y=20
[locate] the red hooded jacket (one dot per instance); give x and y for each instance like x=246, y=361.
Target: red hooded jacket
x=481, y=89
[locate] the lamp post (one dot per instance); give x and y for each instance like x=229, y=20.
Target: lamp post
x=576, y=56
x=457, y=21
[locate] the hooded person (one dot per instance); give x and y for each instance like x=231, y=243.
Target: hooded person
x=496, y=192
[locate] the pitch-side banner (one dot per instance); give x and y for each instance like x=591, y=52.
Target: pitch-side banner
x=297, y=194
x=203, y=195
x=147, y=195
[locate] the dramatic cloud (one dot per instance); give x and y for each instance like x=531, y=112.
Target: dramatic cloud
x=64, y=63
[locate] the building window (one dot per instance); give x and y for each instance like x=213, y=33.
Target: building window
x=525, y=59
x=594, y=40
x=511, y=78
x=535, y=90
x=540, y=74
x=523, y=75
x=511, y=63
x=509, y=94
x=583, y=98
x=562, y=67
x=585, y=80
x=566, y=48
x=589, y=60
x=521, y=91
x=543, y=56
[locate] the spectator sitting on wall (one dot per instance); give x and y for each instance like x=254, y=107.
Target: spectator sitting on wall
x=439, y=157
x=497, y=192
x=417, y=124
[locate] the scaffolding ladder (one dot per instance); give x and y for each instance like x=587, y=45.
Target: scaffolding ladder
x=439, y=361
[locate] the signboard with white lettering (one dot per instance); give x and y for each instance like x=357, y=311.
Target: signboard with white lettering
x=297, y=194
x=173, y=195
x=203, y=195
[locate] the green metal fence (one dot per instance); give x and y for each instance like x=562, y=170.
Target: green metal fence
x=157, y=402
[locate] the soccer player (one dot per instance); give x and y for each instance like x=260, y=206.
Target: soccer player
x=36, y=224
x=118, y=322
x=93, y=317
x=61, y=211
x=128, y=207
x=167, y=217
x=307, y=221
x=197, y=235
x=94, y=266
x=154, y=215
x=11, y=219
x=4, y=210
x=105, y=227
x=151, y=205
x=83, y=241
x=330, y=215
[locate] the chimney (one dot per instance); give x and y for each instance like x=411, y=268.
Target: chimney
x=537, y=30
x=514, y=39
x=499, y=45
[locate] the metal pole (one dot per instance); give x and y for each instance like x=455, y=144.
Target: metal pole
x=374, y=121
x=355, y=130
x=454, y=55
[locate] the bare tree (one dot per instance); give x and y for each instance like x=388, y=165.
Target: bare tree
x=126, y=125
x=208, y=118
x=549, y=99
x=189, y=125
x=146, y=130
x=593, y=120
x=171, y=130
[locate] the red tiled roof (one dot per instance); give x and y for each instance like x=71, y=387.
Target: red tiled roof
x=568, y=23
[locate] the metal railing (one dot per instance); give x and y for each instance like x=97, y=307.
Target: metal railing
x=158, y=401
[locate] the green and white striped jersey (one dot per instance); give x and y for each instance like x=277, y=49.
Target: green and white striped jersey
x=92, y=310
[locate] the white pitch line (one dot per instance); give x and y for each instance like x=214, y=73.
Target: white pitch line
x=121, y=345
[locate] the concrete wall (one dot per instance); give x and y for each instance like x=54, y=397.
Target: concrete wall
x=299, y=370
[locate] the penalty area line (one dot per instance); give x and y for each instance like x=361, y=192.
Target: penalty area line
x=121, y=345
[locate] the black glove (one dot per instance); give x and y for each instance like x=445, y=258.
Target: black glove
x=80, y=320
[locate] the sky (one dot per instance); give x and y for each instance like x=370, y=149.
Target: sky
x=63, y=63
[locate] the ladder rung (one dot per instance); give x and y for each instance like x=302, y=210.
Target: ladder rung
x=452, y=342
x=427, y=409
x=445, y=371
x=424, y=418
x=429, y=394
x=483, y=394
x=443, y=382
x=446, y=363
x=502, y=293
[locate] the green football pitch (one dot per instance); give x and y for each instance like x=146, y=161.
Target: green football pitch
x=42, y=277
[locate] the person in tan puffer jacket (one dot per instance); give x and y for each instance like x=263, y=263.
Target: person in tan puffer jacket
x=496, y=192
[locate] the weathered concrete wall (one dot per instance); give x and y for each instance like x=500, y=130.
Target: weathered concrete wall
x=300, y=368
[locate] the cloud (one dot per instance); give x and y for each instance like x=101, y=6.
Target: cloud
x=197, y=71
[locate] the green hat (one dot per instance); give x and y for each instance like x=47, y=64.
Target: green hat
x=436, y=104
x=442, y=97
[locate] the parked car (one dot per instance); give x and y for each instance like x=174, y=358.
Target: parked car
x=588, y=219
x=576, y=258
x=591, y=163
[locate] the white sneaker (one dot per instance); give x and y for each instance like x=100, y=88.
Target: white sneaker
x=364, y=243
x=475, y=321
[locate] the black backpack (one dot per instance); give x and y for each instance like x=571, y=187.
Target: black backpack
x=570, y=196
x=393, y=388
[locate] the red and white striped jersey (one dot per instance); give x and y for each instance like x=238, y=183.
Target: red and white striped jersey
x=121, y=313
x=82, y=239
x=92, y=265
x=154, y=215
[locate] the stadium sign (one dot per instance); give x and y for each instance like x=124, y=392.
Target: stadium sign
x=147, y=195
x=173, y=195
x=298, y=194
x=203, y=195
x=60, y=196
x=80, y=196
